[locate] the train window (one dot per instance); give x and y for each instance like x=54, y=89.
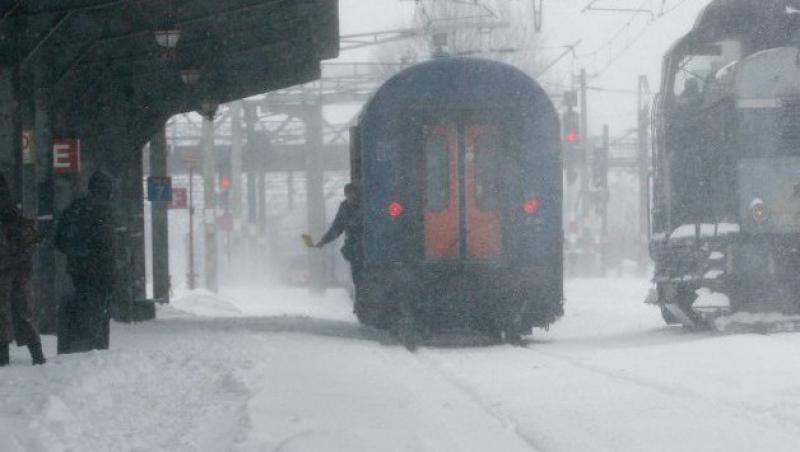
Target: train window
x=437, y=171
x=486, y=172
x=699, y=68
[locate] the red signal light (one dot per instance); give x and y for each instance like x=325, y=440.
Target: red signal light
x=396, y=209
x=225, y=182
x=571, y=137
x=531, y=206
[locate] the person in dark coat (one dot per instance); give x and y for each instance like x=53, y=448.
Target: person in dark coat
x=349, y=221
x=18, y=240
x=85, y=233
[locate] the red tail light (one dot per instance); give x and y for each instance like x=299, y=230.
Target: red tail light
x=572, y=137
x=531, y=206
x=396, y=209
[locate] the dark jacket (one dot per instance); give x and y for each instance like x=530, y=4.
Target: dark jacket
x=18, y=242
x=96, y=234
x=350, y=222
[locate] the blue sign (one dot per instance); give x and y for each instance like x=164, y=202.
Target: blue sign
x=159, y=189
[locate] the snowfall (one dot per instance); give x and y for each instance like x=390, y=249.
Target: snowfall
x=282, y=370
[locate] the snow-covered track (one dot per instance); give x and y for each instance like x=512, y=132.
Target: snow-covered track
x=484, y=403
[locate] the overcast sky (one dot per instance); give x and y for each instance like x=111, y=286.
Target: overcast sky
x=616, y=47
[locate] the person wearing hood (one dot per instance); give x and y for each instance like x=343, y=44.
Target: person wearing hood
x=85, y=234
x=18, y=240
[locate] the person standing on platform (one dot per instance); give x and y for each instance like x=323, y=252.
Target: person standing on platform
x=18, y=240
x=85, y=234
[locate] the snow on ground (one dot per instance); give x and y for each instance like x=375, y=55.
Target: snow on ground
x=282, y=370
x=292, y=372
x=611, y=377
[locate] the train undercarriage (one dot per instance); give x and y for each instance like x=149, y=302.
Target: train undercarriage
x=453, y=299
x=730, y=283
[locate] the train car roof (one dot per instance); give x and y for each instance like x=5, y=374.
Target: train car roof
x=457, y=82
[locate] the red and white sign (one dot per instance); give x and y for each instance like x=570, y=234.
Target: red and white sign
x=27, y=147
x=66, y=155
x=180, y=198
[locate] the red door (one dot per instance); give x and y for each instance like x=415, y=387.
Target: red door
x=483, y=192
x=441, y=193
x=461, y=173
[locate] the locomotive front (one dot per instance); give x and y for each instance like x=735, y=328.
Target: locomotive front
x=726, y=204
x=459, y=164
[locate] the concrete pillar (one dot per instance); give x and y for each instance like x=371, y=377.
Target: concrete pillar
x=315, y=195
x=10, y=131
x=210, y=207
x=45, y=296
x=159, y=221
x=27, y=126
x=253, y=167
x=136, y=226
x=261, y=241
x=236, y=165
x=129, y=197
x=235, y=236
x=65, y=189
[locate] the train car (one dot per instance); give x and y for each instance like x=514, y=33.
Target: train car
x=458, y=160
x=725, y=211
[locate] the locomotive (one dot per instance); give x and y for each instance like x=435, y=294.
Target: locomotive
x=459, y=164
x=725, y=209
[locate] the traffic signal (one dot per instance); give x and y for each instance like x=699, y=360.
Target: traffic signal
x=600, y=167
x=571, y=138
x=225, y=179
x=225, y=182
x=572, y=127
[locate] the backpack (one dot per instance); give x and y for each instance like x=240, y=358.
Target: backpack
x=72, y=231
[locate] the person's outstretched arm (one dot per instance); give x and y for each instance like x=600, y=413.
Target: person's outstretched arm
x=336, y=229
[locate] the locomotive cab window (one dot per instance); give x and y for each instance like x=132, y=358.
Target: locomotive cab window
x=486, y=172
x=437, y=173
x=696, y=69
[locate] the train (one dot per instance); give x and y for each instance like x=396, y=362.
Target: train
x=458, y=161
x=725, y=203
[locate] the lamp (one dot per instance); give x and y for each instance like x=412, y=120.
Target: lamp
x=168, y=38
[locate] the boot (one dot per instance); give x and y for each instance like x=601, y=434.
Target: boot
x=4, y=359
x=36, y=354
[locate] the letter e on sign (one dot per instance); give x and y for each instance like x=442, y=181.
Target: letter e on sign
x=66, y=155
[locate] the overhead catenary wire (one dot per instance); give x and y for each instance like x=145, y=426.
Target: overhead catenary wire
x=630, y=41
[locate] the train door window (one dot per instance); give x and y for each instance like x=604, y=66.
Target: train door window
x=486, y=172
x=437, y=173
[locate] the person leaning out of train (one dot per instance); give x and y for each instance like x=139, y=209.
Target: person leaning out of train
x=348, y=221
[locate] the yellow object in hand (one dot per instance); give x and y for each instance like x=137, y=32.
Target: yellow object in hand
x=307, y=240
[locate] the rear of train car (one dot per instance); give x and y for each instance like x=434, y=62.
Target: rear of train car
x=459, y=166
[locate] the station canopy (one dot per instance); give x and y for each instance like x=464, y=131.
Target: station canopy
x=164, y=56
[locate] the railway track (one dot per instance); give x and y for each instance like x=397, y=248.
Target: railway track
x=490, y=408
x=680, y=400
